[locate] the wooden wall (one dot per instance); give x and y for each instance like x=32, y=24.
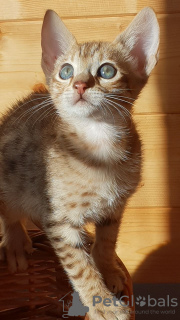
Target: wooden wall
x=149, y=237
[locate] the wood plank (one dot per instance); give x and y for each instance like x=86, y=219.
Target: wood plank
x=22, y=9
x=149, y=244
x=21, y=53
x=160, y=183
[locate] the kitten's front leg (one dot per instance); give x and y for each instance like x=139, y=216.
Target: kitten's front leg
x=14, y=245
x=67, y=240
x=105, y=256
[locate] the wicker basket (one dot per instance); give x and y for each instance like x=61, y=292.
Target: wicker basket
x=35, y=294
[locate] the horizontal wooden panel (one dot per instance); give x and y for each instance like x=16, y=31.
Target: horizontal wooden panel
x=22, y=9
x=160, y=184
x=149, y=244
x=21, y=54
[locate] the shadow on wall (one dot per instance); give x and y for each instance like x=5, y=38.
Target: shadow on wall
x=163, y=264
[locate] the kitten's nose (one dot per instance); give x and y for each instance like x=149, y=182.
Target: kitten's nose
x=80, y=86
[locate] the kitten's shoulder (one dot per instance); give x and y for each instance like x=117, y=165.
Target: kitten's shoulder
x=25, y=109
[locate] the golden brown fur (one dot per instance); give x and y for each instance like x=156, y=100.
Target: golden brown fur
x=66, y=161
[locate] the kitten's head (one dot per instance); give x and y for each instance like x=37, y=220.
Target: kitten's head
x=96, y=78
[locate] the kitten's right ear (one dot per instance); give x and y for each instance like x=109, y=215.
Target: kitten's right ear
x=56, y=39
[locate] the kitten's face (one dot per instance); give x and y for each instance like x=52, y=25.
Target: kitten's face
x=100, y=66
x=98, y=79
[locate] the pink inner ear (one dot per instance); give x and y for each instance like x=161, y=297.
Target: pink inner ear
x=139, y=54
x=55, y=40
x=141, y=39
x=49, y=61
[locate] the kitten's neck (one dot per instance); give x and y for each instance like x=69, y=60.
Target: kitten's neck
x=97, y=140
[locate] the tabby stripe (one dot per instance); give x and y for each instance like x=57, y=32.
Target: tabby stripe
x=64, y=248
x=89, y=275
x=51, y=224
x=69, y=255
x=101, y=313
x=59, y=223
x=77, y=276
x=67, y=247
x=79, y=246
x=70, y=265
x=57, y=239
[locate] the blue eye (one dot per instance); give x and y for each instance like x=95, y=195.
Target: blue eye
x=107, y=71
x=66, y=71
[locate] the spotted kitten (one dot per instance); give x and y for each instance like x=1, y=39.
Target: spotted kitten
x=72, y=155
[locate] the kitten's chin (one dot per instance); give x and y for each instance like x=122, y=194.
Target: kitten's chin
x=82, y=107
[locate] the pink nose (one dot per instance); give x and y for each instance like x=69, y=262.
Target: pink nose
x=80, y=86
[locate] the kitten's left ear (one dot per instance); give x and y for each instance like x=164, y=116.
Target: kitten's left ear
x=141, y=42
x=56, y=39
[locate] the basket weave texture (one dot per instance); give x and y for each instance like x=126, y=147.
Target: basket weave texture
x=36, y=293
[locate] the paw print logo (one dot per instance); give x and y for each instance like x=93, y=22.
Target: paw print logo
x=141, y=301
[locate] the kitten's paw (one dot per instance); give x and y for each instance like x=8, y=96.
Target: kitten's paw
x=14, y=246
x=110, y=268
x=112, y=312
x=114, y=278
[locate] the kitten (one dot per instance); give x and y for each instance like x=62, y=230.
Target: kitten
x=72, y=155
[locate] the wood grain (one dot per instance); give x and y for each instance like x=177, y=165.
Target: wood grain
x=20, y=54
x=148, y=246
x=160, y=184
x=28, y=10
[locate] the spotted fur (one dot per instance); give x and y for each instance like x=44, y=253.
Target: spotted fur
x=66, y=161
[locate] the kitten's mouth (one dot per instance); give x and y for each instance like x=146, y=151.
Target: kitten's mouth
x=80, y=100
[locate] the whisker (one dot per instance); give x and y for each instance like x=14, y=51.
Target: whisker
x=116, y=98
x=40, y=94
x=122, y=107
x=55, y=115
x=118, y=104
x=104, y=111
x=116, y=95
x=106, y=106
x=47, y=113
x=124, y=89
x=32, y=108
x=47, y=104
x=43, y=115
x=120, y=113
x=19, y=107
